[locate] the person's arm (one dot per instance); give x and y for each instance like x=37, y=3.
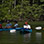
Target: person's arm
x=24, y=26
x=29, y=26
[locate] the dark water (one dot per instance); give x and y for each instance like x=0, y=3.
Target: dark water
x=16, y=38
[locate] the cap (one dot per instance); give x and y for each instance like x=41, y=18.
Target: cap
x=26, y=22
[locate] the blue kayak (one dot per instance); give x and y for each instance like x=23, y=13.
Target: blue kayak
x=4, y=29
x=26, y=30
x=10, y=29
x=17, y=29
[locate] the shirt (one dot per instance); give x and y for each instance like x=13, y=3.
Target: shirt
x=27, y=26
x=9, y=25
x=16, y=25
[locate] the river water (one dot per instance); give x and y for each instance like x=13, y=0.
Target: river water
x=16, y=38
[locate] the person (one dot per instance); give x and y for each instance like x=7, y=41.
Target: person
x=0, y=25
x=15, y=24
x=9, y=25
x=27, y=26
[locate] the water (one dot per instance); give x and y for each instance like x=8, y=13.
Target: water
x=16, y=38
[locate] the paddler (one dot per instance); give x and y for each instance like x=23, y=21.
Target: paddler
x=15, y=24
x=0, y=24
x=9, y=25
x=27, y=26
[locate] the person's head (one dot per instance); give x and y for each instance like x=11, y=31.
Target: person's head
x=8, y=22
x=26, y=23
x=15, y=22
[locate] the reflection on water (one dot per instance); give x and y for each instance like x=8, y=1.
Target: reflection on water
x=27, y=37
x=38, y=37
x=13, y=33
x=17, y=38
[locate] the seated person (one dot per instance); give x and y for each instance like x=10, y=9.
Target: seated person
x=0, y=25
x=9, y=25
x=27, y=26
x=15, y=24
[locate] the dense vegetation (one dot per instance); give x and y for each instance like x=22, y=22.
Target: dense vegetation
x=21, y=10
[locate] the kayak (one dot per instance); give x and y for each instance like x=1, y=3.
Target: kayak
x=17, y=29
x=4, y=29
x=26, y=30
x=38, y=28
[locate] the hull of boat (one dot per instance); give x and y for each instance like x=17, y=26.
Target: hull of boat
x=11, y=29
x=17, y=29
x=26, y=30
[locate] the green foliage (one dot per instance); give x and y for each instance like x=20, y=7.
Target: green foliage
x=23, y=9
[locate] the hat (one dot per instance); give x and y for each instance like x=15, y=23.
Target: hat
x=26, y=22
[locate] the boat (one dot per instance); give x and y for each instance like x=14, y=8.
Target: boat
x=12, y=31
x=26, y=30
x=38, y=28
x=17, y=29
x=4, y=29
